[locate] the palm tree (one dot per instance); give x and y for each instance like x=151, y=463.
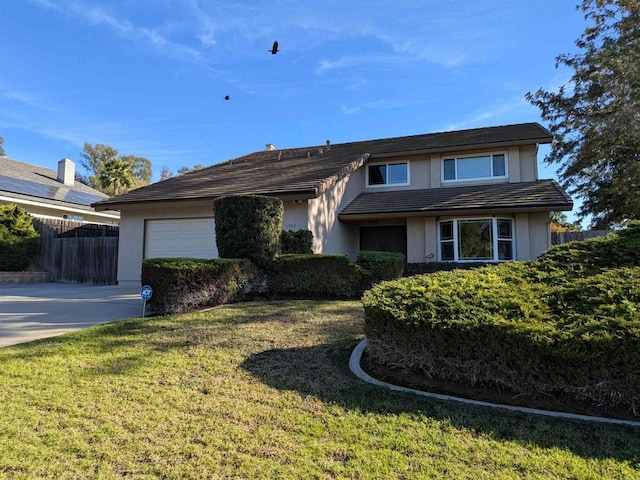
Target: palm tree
x=116, y=172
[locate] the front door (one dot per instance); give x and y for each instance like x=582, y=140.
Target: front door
x=384, y=239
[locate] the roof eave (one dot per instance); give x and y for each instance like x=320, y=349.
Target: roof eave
x=454, y=211
x=460, y=148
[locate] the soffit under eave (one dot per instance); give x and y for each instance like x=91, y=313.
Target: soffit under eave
x=193, y=202
x=451, y=212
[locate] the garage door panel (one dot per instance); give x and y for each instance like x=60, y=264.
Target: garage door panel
x=192, y=237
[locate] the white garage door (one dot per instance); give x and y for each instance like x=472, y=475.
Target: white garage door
x=187, y=237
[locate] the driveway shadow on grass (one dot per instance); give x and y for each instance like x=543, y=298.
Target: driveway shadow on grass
x=323, y=371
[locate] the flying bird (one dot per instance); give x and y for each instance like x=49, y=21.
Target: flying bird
x=226, y=97
x=274, y=49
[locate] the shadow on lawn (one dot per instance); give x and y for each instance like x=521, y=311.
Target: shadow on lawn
x=323, y=371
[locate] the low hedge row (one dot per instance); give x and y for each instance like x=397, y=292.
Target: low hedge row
x=185, y=284
x=379, y=266
x=581, y=258
x=568, y=324
x=313, y=276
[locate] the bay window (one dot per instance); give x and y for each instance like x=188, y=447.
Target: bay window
x=476, y=240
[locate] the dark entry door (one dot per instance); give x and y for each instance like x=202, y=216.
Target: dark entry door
x=384, y=239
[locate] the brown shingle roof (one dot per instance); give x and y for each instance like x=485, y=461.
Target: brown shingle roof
x=311, y=170
x=526, y=196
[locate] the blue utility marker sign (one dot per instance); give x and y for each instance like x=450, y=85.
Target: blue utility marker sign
x=146, y=292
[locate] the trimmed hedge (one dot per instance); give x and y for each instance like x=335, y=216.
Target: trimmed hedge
x=586, y=257
x=493, y=326
x=248, y=226
x=314, y=276
x=185, y=284
x=380, y=266
x=19, y=240
x=296, y=241
x=568, y=324
x=411, y=269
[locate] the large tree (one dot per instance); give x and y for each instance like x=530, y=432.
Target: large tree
x=96, y=157
x=595, y=117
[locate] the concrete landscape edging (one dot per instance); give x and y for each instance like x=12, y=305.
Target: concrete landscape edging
x=356, y=369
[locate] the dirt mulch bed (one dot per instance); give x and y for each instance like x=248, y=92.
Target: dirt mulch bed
x=491, y=394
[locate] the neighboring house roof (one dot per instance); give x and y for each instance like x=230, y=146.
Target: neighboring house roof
x=26, y=182
x=309, y=171
x=526, y=196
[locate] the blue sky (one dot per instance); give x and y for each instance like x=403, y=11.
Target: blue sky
x=149, y=77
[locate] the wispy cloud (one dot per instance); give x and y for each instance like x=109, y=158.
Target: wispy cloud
x=376, y=105
x=151, y=37
x=501, y=111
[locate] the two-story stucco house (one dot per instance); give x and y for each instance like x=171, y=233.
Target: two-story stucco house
x=469, y=195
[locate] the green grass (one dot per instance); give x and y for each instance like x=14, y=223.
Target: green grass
x=263, y=390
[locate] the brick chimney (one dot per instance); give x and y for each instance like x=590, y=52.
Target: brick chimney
x=66, y=172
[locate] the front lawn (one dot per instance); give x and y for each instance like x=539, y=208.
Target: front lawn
x=263, y=390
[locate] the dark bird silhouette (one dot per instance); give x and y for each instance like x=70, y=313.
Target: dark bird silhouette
x=274, y=49
x=227, y=97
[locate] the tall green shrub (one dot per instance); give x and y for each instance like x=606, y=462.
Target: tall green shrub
x=18, y=239
x=248, y=226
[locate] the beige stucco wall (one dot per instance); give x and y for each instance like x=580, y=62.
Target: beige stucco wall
x=539, y=233
x=295, y=215
x=422, y=239
x=533, y=235
x=528, y=163
x=329, y=234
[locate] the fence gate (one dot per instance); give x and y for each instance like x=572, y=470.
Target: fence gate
x=78, y=252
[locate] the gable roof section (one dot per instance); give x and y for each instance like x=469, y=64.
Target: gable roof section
x=309, y=171
x=24, y=181
x=541, y=195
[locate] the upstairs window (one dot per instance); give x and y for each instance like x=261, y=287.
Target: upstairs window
x=387, y=174
x=473, y=168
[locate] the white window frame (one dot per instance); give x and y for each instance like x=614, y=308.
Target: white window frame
x=473, y=179
x=386, y=164
x=496, y=239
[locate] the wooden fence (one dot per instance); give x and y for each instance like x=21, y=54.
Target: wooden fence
x=564, y=237
x=78, y=252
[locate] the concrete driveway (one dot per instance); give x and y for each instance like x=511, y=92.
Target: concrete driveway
x=29, y=312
